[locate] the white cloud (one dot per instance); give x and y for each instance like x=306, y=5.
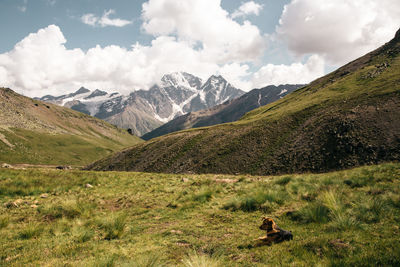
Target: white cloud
x=23, y=8
x=339, y=30
x=196, y=36
x=296, y=73
x=105, y=20
x=90, y=19
x=204, y=21
x=41, y=64
x=248, y=8
x=237, y=74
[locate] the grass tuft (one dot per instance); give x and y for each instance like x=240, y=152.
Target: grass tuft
x=372, y=209
x=261, y=200
x=196, y=260
x=4, y=221
x=283, y=181
x=31, y=230
x=113, y=227
x=315, y=212
x=68, y=209
x=148, y=260
x=203, y=196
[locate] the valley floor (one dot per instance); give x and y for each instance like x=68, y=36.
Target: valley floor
x=53, y=217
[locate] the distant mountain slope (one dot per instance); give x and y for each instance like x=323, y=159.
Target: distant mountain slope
x=142, y=111
x=32, y=131
x=228, y=111
x=347, y=118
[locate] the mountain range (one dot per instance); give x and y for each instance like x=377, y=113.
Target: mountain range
x=347, y=118
x=228, y=111
x=144, y=110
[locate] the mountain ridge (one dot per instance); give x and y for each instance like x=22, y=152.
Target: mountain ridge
x=348, y=118
x=144, y=110
x=32, y=131
x=228, y=111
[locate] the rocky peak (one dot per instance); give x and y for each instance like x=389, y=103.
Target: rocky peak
x=181, y=79
x=95, y=93
x=81, y=90
x=213, y=82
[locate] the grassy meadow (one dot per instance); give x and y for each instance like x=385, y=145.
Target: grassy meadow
x=54, y=218
x=59, y=149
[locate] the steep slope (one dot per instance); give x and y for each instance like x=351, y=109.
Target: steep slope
x=228, y=111
x=347, y=118
x=143, y=111
x=32, y=131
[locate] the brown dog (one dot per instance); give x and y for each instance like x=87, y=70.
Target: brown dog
x=274, y=233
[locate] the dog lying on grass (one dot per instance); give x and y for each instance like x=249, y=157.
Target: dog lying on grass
x=274, y=233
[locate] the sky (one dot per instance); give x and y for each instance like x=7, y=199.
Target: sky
x=56, y=46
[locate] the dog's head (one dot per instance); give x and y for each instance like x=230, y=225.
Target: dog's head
x=268, y=224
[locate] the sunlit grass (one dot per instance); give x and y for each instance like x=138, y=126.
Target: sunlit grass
x=139, y=219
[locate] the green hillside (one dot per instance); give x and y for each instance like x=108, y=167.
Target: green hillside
x=348, y=118
x=53, y=218
x=35, y=132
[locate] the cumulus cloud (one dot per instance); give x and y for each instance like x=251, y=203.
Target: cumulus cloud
x=105, y=20
x=296, y=73
x=248, y=8
x=41, y=64
x=237, y=74
x=199, y=37
x=204, y=21
x=339, y=30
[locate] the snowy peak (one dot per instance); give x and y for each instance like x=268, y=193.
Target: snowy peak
x=181, y=79
x=95, y=93
x=213, y=83
x=80, y=91
x=217, y=90
x=82, y=100
x=176, y=94
x=217, y=78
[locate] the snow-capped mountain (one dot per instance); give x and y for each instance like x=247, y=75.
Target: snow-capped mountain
x=144, y=110
x=228, y=111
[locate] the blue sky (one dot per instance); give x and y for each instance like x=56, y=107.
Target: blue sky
x=16, y=22
x=56, y=46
